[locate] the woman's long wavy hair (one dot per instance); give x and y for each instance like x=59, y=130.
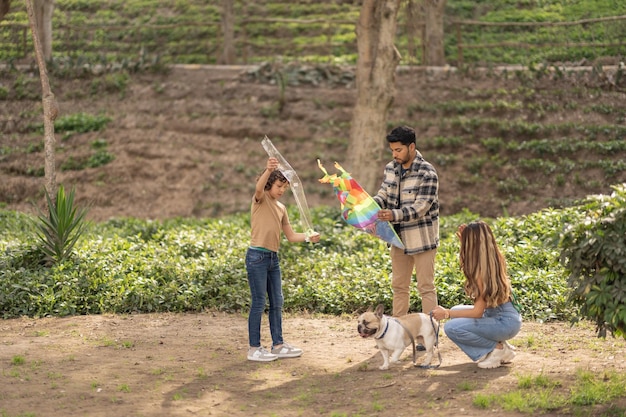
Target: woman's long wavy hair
x=483, y=264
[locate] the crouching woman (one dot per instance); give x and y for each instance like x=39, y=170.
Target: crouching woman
x=482, y=330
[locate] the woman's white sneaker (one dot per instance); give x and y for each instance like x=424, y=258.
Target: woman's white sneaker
x=259, y=354
x=509, y=353
x=287, y=351
x=494, y=360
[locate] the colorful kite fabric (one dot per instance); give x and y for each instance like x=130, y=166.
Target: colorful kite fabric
x=358, y=208
x=294, y=184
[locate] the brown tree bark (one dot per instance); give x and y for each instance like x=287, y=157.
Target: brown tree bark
x=5, y=5
x=413, y=30
x=375, y=82
x=43, y=10
x=50, y=107
x=228, y=33
x=43, y=14
x=434, y=11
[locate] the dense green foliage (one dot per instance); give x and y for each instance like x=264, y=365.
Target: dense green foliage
x=130, y=265
x=594, y=253
x=102, y=32
x=81, y=123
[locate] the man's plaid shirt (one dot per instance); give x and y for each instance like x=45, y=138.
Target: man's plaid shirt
x=415, y=203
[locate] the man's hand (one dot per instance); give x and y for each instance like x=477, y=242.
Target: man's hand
x=385, y=215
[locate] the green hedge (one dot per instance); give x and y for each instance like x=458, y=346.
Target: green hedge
x=132, y=265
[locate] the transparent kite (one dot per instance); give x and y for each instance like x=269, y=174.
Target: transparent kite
x=358, y=208
x=294, y=184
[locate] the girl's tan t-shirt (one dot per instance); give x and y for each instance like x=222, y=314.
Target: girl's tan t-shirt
x=267, y=217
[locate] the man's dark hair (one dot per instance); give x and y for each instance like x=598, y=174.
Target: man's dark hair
x=276, y=175
x=402, y=134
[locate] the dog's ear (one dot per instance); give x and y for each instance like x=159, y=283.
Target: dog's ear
x=380, y=309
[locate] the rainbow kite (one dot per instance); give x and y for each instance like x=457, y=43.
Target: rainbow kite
x=358, y=208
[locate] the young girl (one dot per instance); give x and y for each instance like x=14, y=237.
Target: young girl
x=268, y=219
x=482, y=330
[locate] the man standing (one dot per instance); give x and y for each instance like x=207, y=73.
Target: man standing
x=408, y=198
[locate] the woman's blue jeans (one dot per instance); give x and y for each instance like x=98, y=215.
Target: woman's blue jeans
x=478, y=337
x=264, y=278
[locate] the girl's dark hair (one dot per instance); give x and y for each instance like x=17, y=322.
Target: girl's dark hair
x=276, y=175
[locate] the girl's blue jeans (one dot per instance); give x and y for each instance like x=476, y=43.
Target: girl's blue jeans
x=264, y=278
x=478, y=337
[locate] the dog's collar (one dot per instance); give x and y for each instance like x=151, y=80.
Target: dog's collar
x=384, y=331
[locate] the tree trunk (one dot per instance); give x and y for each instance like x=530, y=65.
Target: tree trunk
x=375, y=82
x=228, y=33
x=43, y=14
x=434, y=11
x=5, y=5
x=50, y=107
x=413, y=31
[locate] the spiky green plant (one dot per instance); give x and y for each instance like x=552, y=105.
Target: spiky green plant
x=61, y=228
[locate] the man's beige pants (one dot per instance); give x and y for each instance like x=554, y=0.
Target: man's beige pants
x=402, y=267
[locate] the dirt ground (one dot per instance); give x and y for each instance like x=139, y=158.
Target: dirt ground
x=195, y=365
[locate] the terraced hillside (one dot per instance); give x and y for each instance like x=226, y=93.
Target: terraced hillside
x=187, y=142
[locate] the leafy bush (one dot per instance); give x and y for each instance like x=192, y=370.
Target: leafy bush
x=100, y=158
x=594, y=253
x=81, y=123
x=132, y=265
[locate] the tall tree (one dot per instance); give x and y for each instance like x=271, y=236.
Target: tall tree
x=376, y=66
x=43, y=17
x=5, y=5
x=228, y=33
x=50, y=106
x=43, y=14
x=414, y=29
x=434, y=32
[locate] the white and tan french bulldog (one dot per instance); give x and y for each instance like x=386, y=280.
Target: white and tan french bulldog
x=393, y=334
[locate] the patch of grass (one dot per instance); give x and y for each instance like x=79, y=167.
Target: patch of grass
x=529, y=381
x=54, y=375
x=123, y=388
x=100, y=158
x=541, y=394
x=530, y=402
x=201, y=373
x=482, y=401
x=466, y=386
x=110, y=83
x=18, y=360
x=158, y=371
x=107, y=342
x=593, y=388
x=128, y=344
